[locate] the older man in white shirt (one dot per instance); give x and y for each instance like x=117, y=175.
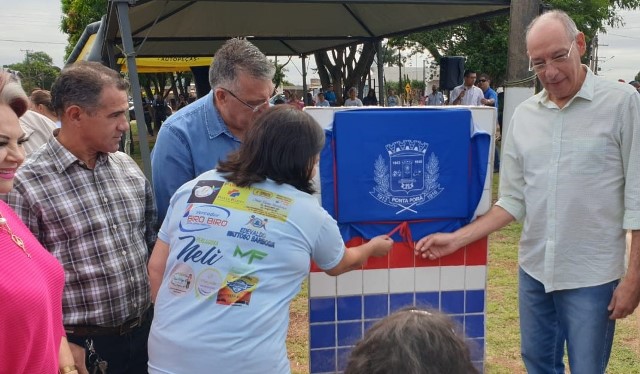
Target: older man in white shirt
x=571, y=171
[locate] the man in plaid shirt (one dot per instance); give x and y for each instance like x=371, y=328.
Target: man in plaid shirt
x=92, y=207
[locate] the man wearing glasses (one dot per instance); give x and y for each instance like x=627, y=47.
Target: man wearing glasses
x=196, y=137
x=571, y=171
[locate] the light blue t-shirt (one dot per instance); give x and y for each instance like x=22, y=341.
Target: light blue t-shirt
x=190, y=142
x=237, y=258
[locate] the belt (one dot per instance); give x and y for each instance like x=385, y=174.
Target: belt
x=89, y=330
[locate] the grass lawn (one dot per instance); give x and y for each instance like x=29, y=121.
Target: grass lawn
x=503, y=337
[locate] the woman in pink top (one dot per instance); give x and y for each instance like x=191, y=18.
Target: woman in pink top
x=32, y=338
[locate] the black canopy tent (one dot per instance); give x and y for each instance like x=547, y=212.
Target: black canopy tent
x=191, y=28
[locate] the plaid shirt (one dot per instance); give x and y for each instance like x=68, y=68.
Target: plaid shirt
x=99, y=224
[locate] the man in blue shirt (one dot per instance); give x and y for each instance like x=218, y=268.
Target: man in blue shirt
x=196, y=137
x=330, y=95
x=490, y=99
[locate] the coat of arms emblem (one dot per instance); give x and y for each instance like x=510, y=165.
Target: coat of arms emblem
x=406, y=180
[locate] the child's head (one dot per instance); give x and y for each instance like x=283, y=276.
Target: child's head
x=412, y=341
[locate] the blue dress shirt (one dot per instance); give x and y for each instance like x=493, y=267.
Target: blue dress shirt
x=189, y=143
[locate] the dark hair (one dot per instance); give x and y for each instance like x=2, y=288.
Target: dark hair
x=81, y=84
x=484, y=76
x=412, y=341
x=282, y=145
x=12, y=94
x=469, y=72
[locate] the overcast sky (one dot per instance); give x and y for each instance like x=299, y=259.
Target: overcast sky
x=34, y=25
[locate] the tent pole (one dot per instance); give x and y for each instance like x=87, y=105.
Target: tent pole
x=122, y=7
x=304, y=81
x=381, y=93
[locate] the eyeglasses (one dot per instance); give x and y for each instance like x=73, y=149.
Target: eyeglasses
x=254, y=108
x=541, y=67
x=482, y=80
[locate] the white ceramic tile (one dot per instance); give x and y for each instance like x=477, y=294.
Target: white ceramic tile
x=350, y=283
x=375, y=281
x=452, y=278
x=476, y=277
x=401, y=280
x=321, y=285
x=427, y=279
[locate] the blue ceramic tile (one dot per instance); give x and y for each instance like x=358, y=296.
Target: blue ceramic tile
x=399, y=301
x=479, y=366
x=322, y=336
x=322, y=310
x=323, y=360
x=376, y=306
x=349, y=333
x=459, y=322
x=474, y=326
x=428, y=300
x=368, y=324
x=343, y=358
x=474, y=301
x=452, y=302
x=476, y=347
x=349, y=308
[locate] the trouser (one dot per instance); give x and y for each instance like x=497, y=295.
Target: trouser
x=124, y=354
x=578, y=317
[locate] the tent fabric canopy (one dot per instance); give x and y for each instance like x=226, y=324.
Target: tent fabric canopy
x=284, y=28
x=197, y=28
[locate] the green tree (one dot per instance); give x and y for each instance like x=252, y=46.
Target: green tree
x=346, y=67
x=76, y=15
x=484, y=43
x=37, y=71
x=637, y=78
x=279, y=79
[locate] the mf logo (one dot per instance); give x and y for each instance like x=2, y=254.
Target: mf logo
x=253, y=254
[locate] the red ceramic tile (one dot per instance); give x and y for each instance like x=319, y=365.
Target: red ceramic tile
x=424, y=262
x=315, y=268
x=477, y=252
x=454, y=259
x=401, y=256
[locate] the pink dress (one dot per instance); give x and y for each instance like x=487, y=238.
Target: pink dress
x=30, y=303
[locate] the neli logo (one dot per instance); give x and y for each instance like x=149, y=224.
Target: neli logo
x=253, y=254
x=234, y=193
x=406, y=182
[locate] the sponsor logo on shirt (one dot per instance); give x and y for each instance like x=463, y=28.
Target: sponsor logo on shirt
x=193, y=251
x=252, y=254
x=198, y=217
x=254, y=200
x=237, y=289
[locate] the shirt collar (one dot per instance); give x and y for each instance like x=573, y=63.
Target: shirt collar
x=62, y=158
x=587, y=91
x=215, y=127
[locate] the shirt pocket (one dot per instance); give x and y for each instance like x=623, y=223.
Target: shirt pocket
x=587, y=155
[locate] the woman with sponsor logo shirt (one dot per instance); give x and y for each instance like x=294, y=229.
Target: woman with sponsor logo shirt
x=234, y=248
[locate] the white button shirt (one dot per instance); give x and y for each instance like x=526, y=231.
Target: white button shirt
x=473, y=96
x=573, y=174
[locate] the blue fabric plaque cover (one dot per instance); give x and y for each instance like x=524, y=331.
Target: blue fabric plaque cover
x=382, y=167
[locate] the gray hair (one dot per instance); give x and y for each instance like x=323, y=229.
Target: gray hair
x=235, y=56
x=569, y=26
x=81, y=84
x=12, y=94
